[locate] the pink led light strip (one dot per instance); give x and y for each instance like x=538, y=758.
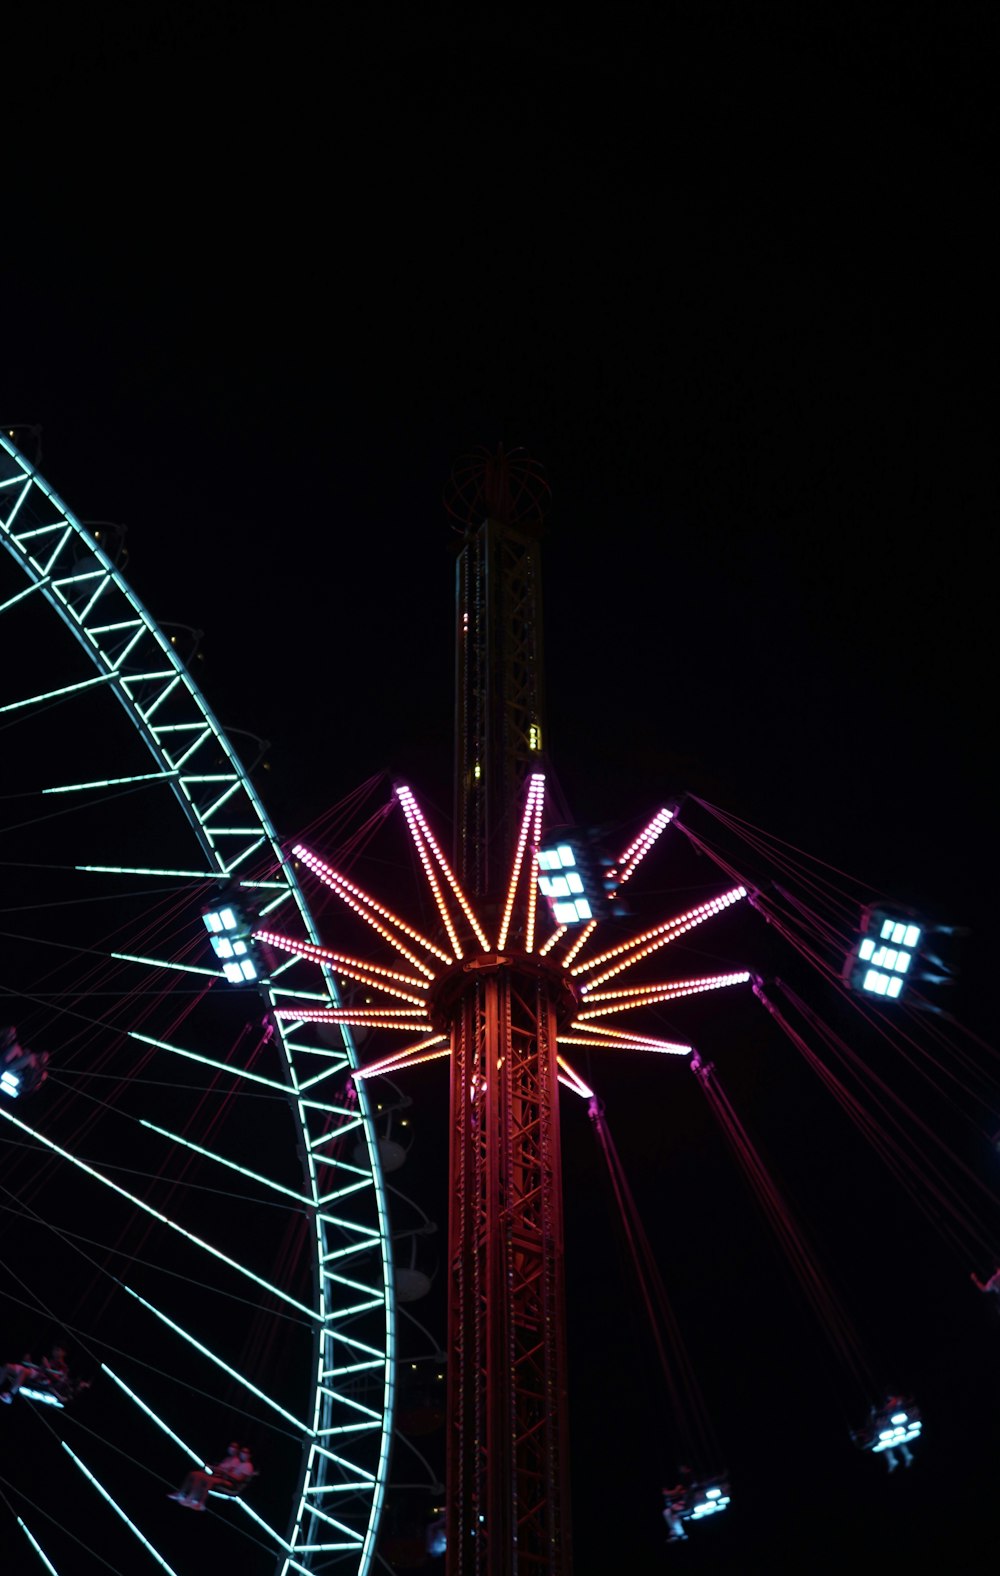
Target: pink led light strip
x=337, y=960
x=404, y=1059
x=367, y=908
x=640, y=990
x=648, y=996
x=629, y=952
x=638, y=850
x=360, y=1017
x=404, y=795
x=532, y=814
x=606, y=1039
x=420, y=845
x=373, y=977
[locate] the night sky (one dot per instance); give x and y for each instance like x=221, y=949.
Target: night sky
x=726, y=273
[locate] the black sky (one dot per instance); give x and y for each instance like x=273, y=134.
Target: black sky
x=726, y=272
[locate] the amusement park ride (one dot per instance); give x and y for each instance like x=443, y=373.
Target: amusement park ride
x=183, y=1152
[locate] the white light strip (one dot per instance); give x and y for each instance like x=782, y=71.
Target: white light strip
x=233, y=1373
x=156, y=1215
x=114, y=782
x=141, y=1404
x=34, y=1541
x=244, y=1171
x=207, y=1061
x=149, y=870
x=73, y=689
x=161, y=963
x=118, y=1510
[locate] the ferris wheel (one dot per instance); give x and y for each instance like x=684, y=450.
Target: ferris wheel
x=191, y=1205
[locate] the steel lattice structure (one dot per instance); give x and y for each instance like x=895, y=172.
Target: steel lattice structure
x=173, y=768
x=508, y=1007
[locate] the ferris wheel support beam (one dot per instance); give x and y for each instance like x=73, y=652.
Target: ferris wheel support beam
x=195, y=767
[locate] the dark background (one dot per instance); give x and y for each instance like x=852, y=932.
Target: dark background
x=726, y=272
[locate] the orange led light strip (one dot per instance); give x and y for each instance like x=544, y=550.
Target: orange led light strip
x=395, y=1064
x=606, y=1039
x=572, y=1079
x=446, y=869
x=367, y=908
x=535, y=792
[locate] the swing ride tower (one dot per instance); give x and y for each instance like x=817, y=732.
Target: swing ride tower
x=507, y=1470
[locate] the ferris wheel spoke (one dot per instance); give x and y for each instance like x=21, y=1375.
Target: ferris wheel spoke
x=156, y=1214
x=129, y=1523
x=222, y=1160
x=242, y=1073
x=220, y=1362
x=47, y=1563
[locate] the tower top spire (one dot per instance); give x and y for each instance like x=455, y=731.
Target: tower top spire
x=506, y=486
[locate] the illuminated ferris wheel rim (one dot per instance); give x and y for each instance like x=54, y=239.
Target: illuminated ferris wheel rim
x=70, y=574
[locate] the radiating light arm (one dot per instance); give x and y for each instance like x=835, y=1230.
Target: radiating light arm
x=638, y=850
x=609, y=1038
x=572, y=1079
x=630, y=952
x=447, y=871
x=649, y=995
x=556, y=935
x=339, y=962
x=371, y=912
x=423, y=853
x=536, y=793
x=579, y=943
x=413, y=1056
x=360, y=1017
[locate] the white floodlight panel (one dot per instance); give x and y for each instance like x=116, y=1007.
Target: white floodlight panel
x=223, y=946
x=583, y=909
x=248, y=970
x=567, y=858
x=10, y=1084
x=565, y=913
x=213, y=924
x=866, y=949
x=573, y=882
x=895, y=986
x=233, y=973
x=887, y=928
x=898, y=932
x=912, y=936
x=548, y=859
x=902, y=962
x=874, y=981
